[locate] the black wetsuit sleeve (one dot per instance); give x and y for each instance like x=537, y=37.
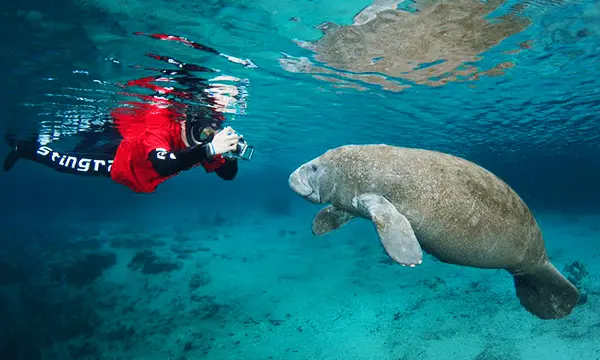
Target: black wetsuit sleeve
x=229, y=170
x=168, y=163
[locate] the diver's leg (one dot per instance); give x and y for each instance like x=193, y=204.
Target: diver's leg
x=97, y=164
x=100, y=138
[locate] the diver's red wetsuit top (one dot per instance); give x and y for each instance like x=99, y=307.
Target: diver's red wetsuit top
x=147, y=127
x=131, y=166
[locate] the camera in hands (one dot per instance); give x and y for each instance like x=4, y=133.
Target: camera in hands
x=243, y=150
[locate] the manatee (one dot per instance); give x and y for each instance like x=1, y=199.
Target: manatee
x=427, y=201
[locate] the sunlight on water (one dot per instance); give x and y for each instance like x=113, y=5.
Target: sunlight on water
x=499, y=82
x=368, y=71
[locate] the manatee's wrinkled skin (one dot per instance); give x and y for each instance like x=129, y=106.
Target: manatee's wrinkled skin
x=449, y=202
x=389, y=43
x=459, y=212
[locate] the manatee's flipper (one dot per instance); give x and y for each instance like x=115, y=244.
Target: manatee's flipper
x=394, y=229
x=329, y=219
x=546, y=293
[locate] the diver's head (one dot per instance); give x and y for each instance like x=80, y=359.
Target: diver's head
x=205, y=116
x=198, y=126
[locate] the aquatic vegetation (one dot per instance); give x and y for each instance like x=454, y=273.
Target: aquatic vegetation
x=198, y=280
x=149, y=263
x=86, y=270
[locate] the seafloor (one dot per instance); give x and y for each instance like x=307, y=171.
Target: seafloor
x=258, y=285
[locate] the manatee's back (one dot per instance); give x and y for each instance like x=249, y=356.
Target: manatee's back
x=460, y=212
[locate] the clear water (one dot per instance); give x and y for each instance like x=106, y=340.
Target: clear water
x=249, y=280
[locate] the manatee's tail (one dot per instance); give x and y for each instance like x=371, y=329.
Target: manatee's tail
x=545, y=293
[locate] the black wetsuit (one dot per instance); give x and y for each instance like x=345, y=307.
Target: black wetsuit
x=88, y=159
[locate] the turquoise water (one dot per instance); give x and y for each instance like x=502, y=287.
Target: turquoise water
x=230, y=270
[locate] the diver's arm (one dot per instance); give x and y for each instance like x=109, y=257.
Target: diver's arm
x=228, y=170
x=167, y=163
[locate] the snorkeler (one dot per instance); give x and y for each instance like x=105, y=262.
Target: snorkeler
x=158, y=141
x=159, y=137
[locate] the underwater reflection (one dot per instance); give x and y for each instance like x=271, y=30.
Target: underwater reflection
x=432, y=43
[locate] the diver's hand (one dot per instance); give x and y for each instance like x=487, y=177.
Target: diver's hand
x=224, y=141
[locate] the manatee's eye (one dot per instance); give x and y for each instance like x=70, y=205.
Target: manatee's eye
x=314, y=167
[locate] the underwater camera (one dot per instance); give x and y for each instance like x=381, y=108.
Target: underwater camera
x=243, y=150
x=199, y=132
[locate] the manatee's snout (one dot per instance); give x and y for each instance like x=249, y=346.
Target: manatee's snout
x=299, y=182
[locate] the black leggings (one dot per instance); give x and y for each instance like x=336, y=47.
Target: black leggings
x=93, y=163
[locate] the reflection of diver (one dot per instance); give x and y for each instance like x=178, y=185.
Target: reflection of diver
x=158, y=141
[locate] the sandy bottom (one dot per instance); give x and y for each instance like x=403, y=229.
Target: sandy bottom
x=266, y=288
